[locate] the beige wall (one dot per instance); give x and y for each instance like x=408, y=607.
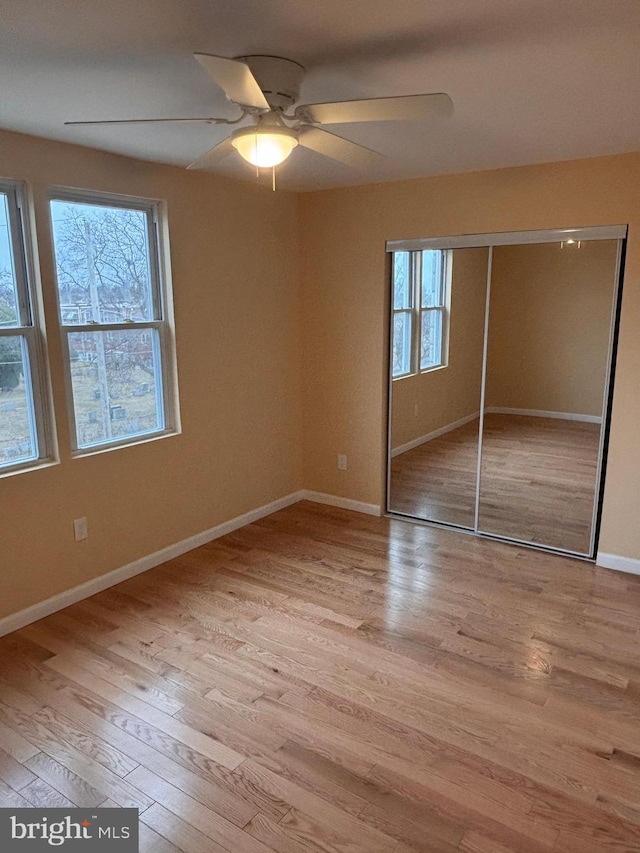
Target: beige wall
x=344, y=308
x=280, y=311
x=236, y=285
x=550, y=318
x=429, y=401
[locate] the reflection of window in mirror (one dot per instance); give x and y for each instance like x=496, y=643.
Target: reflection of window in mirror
x=420, y=308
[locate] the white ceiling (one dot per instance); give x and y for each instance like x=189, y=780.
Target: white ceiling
x=531, y=81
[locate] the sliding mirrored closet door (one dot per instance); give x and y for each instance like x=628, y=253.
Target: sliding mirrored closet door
x=500, y=376
x=548, y=344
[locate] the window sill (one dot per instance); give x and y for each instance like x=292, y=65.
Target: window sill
x=24, y=468
x=119, y=445
x=419, y=373
x=434, y=368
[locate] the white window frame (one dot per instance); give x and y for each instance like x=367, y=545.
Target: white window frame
x=30, y=327
x=416, y=311
x=162, y=321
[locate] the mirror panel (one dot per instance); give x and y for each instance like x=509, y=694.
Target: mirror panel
x=547, y=358
x=438, y=309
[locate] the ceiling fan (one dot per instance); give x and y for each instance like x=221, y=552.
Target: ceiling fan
x=264, y=88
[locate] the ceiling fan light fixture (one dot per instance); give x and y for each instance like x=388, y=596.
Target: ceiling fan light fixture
x=265, y=147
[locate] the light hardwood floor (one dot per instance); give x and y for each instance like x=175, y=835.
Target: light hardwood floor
x=328, y=681
x=537, y=479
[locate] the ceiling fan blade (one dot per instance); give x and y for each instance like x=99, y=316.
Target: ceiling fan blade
x=211, y=120
x=213, y=155
x=337, y=148
x=235, y=78
x=378, y=109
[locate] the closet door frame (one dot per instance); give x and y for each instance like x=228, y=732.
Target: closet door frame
x=513, y=238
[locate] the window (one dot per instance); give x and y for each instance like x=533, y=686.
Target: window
x=419, y=312
x=25, y=433
x=112, y=303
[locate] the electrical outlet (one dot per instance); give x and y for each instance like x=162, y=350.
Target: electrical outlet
x=415, y=410
x=80, y=529
x=342, y=462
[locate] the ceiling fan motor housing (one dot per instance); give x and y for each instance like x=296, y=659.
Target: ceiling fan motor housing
x=279, y=78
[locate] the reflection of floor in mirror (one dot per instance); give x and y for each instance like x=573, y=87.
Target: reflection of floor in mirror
x=538, y=479
x=437, y=479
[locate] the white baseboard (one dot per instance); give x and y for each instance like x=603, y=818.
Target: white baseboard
x=91, y=587
x=538, y=413
x=619, y=564
x=341, y=503
x=436, y=433
x=85, y=590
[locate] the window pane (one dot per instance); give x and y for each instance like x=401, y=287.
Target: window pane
x=401, y=282
x=431, y=278
x=116, y=384
x=102, y=263
x=401, y=344
x=17, y=431
x=431, y=339
x=8, y=297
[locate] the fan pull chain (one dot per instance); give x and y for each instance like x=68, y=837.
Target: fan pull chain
x=255, y=144
x=273, y=178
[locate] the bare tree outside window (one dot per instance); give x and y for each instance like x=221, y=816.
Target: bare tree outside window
x=111, y=313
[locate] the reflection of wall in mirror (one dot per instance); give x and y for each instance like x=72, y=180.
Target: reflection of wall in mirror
x=437, y=399
x=550, y=316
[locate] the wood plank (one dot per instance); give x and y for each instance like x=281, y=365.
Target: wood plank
x=15, y=744
x=65, y=781
x=10, y=799
x=169, y=725
x=180, y=833
x=13, y=772
x=150, y=842
x=41, y=795
x=204, y=819
x=316, y=808
x=96, y=749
